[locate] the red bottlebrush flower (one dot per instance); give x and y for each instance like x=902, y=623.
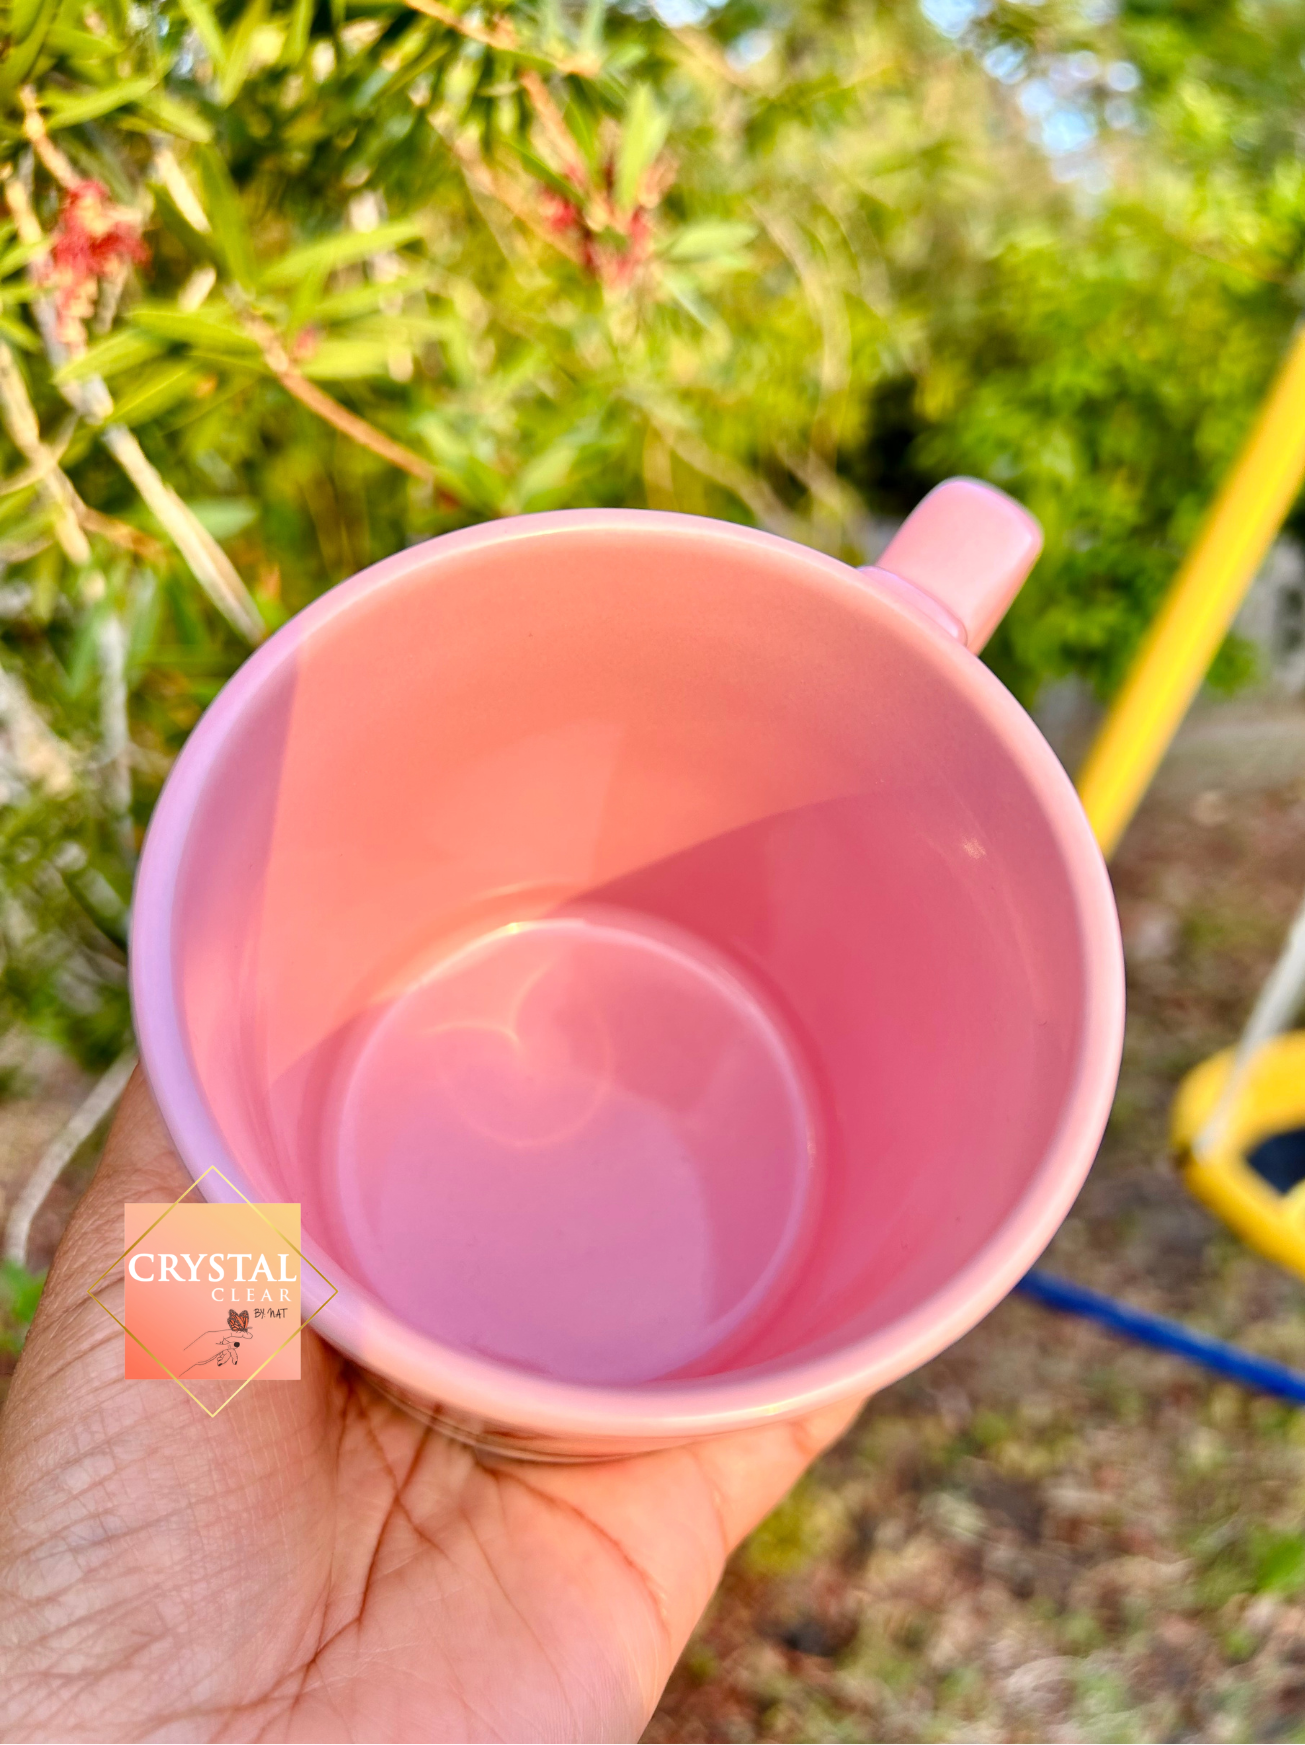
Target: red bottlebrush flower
x=612, y=254
x=559, y=214
x=616, y=264
x=93, y=240
x=640, y=234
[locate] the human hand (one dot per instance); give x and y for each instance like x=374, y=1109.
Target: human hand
x=312, y=1563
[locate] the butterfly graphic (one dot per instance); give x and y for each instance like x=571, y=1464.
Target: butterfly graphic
x=229, y=1340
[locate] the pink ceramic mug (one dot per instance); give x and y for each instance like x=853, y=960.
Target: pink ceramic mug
x=675, y=977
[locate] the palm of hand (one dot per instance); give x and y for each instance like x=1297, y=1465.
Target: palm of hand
x=313, y=1564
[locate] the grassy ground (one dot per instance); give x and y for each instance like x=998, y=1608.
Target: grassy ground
x=1046, y=1534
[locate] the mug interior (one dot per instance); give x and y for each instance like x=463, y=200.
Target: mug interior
x=634, y=946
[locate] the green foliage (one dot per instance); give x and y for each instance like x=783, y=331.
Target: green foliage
x=358, y=273
x=1280, y=1564
x=809, y=1523
x=20, y=1292
x=1258, y=1559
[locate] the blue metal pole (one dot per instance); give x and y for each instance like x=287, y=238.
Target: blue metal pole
x=1229, y=1360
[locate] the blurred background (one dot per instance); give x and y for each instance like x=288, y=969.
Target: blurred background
x=285, y=287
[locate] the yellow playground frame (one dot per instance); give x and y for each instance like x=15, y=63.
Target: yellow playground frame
x=1229, y=1104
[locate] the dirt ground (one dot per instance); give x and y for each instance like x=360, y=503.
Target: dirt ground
x=1047, y=1533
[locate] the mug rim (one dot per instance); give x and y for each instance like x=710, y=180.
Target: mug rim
x=498, y=1393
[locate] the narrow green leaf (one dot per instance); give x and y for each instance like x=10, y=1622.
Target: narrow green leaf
x=144, y=618
x=239, y=375
x=541, y=477
x=25, y=515
x=80, y=45
x=295, y=46
x=338, y=251
x=72, y=111
x=240, y=48
x=226, y=214
x=520, y=56
x=344, y=360
x=618, y=61
x=396, y=329
x=582, y=125
x=81, y=658
x=108, y=357
x=199, y=245
x=646, y=127
x=542, y=172
x=175, y=117
x=456, y=467
x=24, y=16
x=365, y=299
x=224, y=517
x=305, y=304
x=685, y=292
x=202, y=332
x=591, y=31
x=18, y=335
x=19, y=255
x=208, y=30
x=30, y=25
x=712, y=237
x=154, y=391
x=430, y=59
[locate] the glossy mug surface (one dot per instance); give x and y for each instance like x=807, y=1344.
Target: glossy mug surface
x=674, y=976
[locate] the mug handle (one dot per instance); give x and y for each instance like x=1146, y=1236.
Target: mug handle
x=967, y=547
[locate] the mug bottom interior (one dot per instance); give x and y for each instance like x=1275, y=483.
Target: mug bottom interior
x=584, y=1145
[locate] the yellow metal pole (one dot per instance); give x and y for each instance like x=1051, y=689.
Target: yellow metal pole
x=1180, y=645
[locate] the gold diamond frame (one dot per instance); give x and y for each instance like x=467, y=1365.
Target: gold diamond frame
x=212, y=1170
